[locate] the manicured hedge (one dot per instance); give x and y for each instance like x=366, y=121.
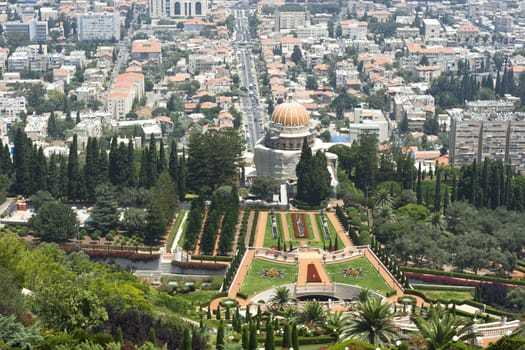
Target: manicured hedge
x=211, y=258
x=443, y=288
x=304, y=206
x=353, y=345
x=198, y=265
x=508, y=343
x=462, y=275
x=488, y=309
x=112, y=253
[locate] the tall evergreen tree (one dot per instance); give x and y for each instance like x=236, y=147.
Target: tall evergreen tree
x=437, y=198
x=91, y=167
x=181, y=179
x=21, y=159
x=73, y=171
x=63, y=177
x=161, y=163
x=40, y=172
x=52, y=129
x=53, y=177
x=144, y=165
x=130, y=164
x=269, y=344
x=302, y=171
x=173, y=164
x=220, y=337
x=253, y=337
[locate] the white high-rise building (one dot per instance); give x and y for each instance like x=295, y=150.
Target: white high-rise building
x=98, y=26
x=157, y=8
x=178, y=8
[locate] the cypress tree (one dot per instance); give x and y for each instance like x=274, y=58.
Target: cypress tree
x=181, y=178
x=120, y=337
x=90, y=167
x=130, y=163
x=253, y=338
x=52, y=129
x=269, y=344
x=437, y=199
x=113, y=170
x=218, y=312
x=144, y=165
x=419, y=195
x=287, y=336
x=152, y=338
x=63, y=177
x=152, y=170
x=295, y=337
x=53, y=177
x=454, y=188
x=40, y=171
x=220, y=337
x=173, y=163
x=227, y=313
x=102, y=165
x=186, y=339
x=73, y=171
x=245, y=338
x=302, y=172
x=77, y=118
x=161, y=163
x=21, y=158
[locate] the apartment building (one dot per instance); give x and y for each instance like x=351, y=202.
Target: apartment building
x=498, y=136
x=98, y=26
x=128, y=88
x=11, y=105
x=291, y=20
x=35, y=31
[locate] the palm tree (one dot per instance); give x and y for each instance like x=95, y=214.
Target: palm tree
x=437, y=221
x=280, y=298
x=383, y=198
x=384, y=214
x=441, y=327
x=336, y=321
x=312, y=314
x=373, y=324
x=290, y=313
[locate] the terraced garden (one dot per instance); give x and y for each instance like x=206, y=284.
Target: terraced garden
x=358, y=272
x=257, y=280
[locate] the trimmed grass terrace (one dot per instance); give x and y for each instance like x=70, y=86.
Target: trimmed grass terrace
x=370, y=278
x=448, y=294
x=253, y=283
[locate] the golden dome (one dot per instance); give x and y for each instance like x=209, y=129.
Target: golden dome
x=290, y=114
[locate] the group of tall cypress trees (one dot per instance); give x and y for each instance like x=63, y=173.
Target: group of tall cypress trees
x=65, y=177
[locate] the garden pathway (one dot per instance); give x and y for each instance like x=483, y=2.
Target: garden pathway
x=284, y=222
x=260, y=230
x=249, y=228
x=198, y=244
x=340, y=231
x=310, y=257
x=314, y=228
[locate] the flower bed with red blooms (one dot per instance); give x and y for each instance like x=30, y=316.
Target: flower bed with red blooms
x=299, y=229
x=447, y=280
x=312, y=275
x=110, y=253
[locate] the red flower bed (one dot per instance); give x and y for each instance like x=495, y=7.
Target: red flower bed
x=311, y=274
x=105, y=253
x=435, y=279
x=299, y=226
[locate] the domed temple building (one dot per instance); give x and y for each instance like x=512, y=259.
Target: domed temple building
x=278, y=153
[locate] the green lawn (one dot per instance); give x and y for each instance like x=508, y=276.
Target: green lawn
x=269, y=241
x=370, y=278
x=253, y=282
x=175, y=228
x=448, y=295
